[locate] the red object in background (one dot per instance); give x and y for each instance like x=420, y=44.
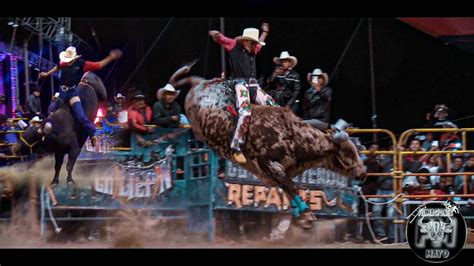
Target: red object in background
x=442, y=26
x=99, y=115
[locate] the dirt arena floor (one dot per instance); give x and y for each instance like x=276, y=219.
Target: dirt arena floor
x=135, y=230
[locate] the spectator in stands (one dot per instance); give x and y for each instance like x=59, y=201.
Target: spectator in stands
x=439, y=117
x=418, y=184
x=140, y=115
x=34, y=102
x=373, y=163
x=317, y=100
x=449, y=140
x=119, y=104
x=429, y=141
x=166, y=112
x=469, y=167
x=456, y=167
x=411, y=163
x=434, y=164
x=385, y=187
x=284, y=83
x=36, y=122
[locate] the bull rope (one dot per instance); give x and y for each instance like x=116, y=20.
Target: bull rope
x=367, y=218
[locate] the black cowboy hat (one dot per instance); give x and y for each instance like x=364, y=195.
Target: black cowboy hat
x=138, y=95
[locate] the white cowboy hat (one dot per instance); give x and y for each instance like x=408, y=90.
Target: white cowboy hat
x=318, y=72
x=56, y=95
x=167, y=88
x=286, y=55
x=68, y=55
x=251, y=34
x=119, y=95
x=36, y=119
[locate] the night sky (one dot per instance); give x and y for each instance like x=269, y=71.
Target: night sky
x=413, y=71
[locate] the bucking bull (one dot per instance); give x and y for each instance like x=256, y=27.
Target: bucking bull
x=279, y=145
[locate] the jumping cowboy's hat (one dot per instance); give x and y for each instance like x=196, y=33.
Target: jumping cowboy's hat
x=167, y=88
x=119, y=95
x=286, y=55
x=56, y=95
x=251, y=34
x=68, y=55
x=318, y=72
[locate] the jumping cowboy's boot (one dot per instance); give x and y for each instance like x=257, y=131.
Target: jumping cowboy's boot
x=239, y=157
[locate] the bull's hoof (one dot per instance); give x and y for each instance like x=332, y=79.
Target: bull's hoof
x=70, y=181
x=309, y=216
x=55, y=181
x=303, y=223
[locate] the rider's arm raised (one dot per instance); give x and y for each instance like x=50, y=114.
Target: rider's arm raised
x=92, y=66
x=225, y=42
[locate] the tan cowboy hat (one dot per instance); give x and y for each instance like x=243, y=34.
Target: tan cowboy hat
x=68, y=55
x=318, y=72
x=286, y=55
x=251, y=34
x=167, y=88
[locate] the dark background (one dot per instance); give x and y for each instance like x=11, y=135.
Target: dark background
x=413, y=71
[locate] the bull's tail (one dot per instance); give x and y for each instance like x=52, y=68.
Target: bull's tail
x=193, y=80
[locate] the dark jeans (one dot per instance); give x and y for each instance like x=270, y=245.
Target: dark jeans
x=65, y=97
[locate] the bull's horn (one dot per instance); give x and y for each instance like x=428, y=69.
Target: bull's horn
x=47, y=128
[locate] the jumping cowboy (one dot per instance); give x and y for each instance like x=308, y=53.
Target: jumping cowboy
x=242, y=53
x=73, y=68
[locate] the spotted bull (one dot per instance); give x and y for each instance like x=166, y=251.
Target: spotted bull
x=279, y=145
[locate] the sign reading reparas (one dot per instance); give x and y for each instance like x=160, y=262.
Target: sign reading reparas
x=240, y=195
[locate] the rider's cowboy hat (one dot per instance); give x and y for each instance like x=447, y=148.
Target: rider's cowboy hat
x=167, y=88
x=318, y=72
x=251, y=34
x=56, y=95
x=68, y=55
x=285, y=55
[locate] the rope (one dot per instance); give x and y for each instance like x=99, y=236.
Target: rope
x=345, y=49
x=148, y=52
x=57, y=229
x=367, y=218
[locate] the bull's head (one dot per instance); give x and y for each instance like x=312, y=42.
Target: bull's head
x=436, y=230
x=30, y=139
x=346, y=153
